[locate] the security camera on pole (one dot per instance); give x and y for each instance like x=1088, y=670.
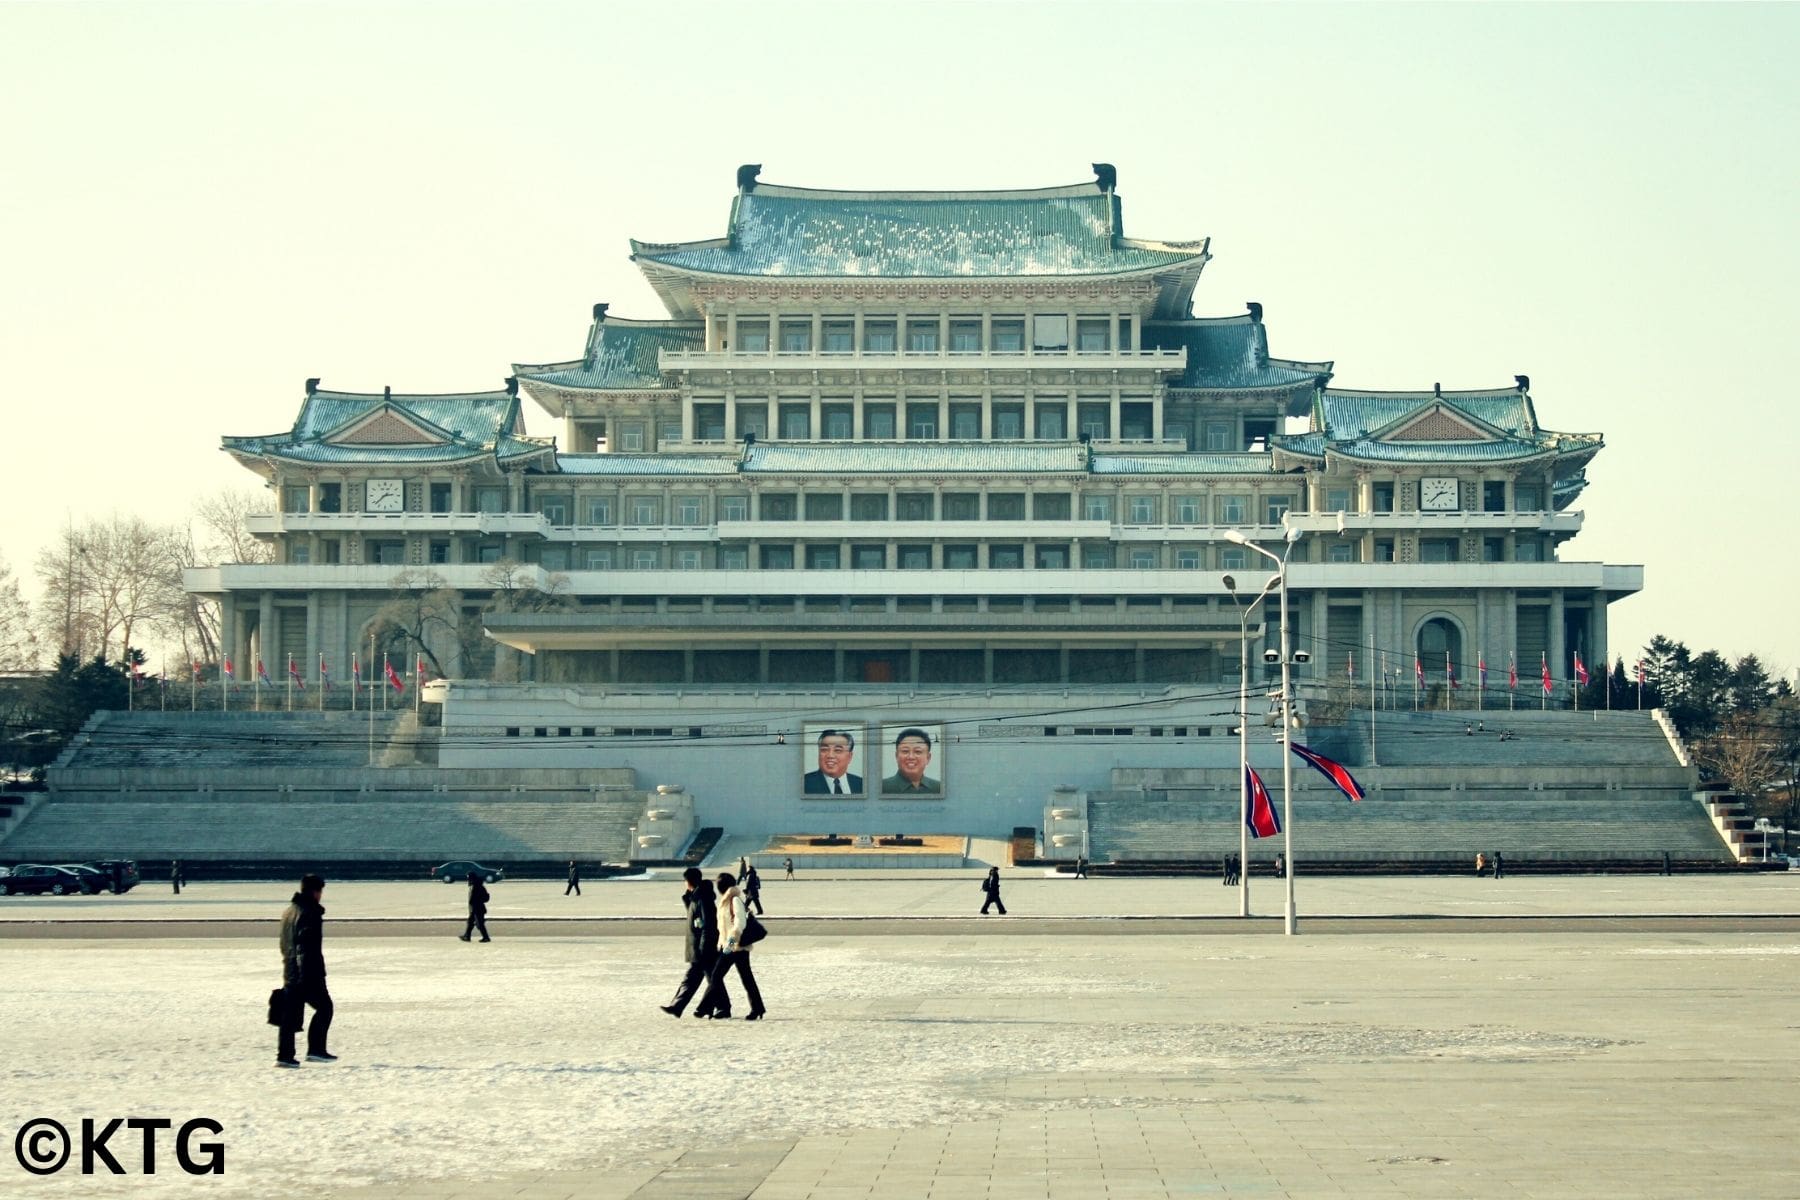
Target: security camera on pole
x=1287, y=658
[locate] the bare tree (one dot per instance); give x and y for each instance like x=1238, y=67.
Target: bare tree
x=225, y=526
x=108, y=582
x=18, y=642
x=425, y=614
x=1744, y=753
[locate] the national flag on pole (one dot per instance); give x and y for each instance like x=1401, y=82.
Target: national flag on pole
x=393, y=676
x=1335, y=771
x=355, y=670
x=1450, y=672
x=1262, y=820
x=1481, y=670
x=1512, y=673
x=229, y=674
x=1545, y=662
x=1640, y=671
x=1581, y=672
x=419, y=670
x=262, y=675
x=1418, y=671
x=137, y=670
x=324, y=674
x=197, y=670
x=1350, y=665
x=294, y=674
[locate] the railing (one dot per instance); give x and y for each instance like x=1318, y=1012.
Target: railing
x=805, y=359
x=1435, y=522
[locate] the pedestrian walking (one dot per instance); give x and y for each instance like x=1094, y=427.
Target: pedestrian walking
x=574, y=879
x=734, y=919
x=990, y=887
x=1480, y=864
x=303, y=976
x=1081, y=866
x=1280, y=866
x=478, y=898
x=176, y=876
x=789, y=864
x=701, y=947
x=1225, y=871
x=1499, y=864
x=1234, y=869
x=753, y=890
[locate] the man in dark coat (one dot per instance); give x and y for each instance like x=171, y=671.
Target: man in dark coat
x=574, y=879
x=478, y=898
x=991, y=888
x=701, y=945
x=303, y=975
x=175, y=875
x=753, y=889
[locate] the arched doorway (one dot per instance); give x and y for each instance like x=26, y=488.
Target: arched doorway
x=1439, y=640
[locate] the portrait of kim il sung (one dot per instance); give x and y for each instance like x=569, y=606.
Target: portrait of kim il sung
x=912, y=760
x=833, y=760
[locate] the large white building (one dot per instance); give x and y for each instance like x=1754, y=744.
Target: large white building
x=956, y=461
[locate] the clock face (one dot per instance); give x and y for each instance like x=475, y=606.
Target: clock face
x=1438, y=495
x=386, y=495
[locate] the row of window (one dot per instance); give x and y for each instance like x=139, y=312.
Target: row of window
x=1190, y=509
x=1044, y=333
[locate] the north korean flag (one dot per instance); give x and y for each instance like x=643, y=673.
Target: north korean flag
x=1335, y=771
x=1262, y=819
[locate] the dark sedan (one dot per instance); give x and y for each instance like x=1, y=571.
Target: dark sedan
x=33, y=880
x=458, y=871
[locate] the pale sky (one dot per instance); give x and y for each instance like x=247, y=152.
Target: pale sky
x=202, y=204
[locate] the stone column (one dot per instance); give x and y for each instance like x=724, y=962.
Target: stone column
x=1560, y=664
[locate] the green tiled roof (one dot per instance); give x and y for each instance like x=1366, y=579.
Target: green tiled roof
x=621, y=355
x=648, y=464
x=1229, y=353
x=892, y=458
x=1181, y=464
x=1354, y=414
x=472, y=423
x=810, y=233
x=1503, y=450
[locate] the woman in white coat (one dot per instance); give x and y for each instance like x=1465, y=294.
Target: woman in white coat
x=734, y=915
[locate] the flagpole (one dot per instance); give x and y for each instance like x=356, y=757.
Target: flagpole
x=224, y=686
x=289, y=686
x=418, y=681
x=1544, y=697
x=1449, y=679
x=372, y=703
x=1374, y=758
x=324, y=683
x=1575, y=683
x=1512, y=680
x=355, y=679
x=194, y=690
x=1606, y=666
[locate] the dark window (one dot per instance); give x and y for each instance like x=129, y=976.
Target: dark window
x=1006, y=506
x=777, y=558
x=960, y=558
x=821, y=558
x=962, y=506
x=915, y=558
x=914, y=506
x=331, y=497
x=1051, y=507
x=824, y=506
x=868, y=558
x=1493, y=497
x=777, y=506
x=1006, y=557
x=868, y=507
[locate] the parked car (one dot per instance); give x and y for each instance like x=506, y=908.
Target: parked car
x=458, y=871
x=30, y=879
x=93, y=879
x=121, y=874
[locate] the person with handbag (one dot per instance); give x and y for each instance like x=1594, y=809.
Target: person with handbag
x=990, y=887
x=702, y=947
x=738, y=930
x=303, y=976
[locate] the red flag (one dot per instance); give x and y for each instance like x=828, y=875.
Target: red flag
x=1512, y=673
x=324, y=673
x=228, y=671
x=1481, y=669
x=1640, y=667
x=1335, y=771
x=1546, y=665
x=1450, y=672
x=1418, y=670
x=1350, y=665
x=1581, y=673
x=355, y=670
x=1262, y=819
x=197, y=670
x=261, y=674
x=393, y=676
x=419, y=670
x=294, y=673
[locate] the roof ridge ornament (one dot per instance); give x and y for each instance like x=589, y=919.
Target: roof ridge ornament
x=387, y=393
x=600, y=310
x=1107, y=176
x=1255, y=311
x=746, y=176
x=312, y=385
x=1437, y=389
x=1524, y=382
x=512, y=389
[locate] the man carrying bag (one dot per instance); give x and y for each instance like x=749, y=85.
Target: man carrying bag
x=303, y=977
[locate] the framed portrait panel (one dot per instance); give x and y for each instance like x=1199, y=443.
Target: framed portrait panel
x=832, y=760
x=912, y=760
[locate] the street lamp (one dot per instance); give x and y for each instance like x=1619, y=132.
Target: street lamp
x=1244, y=611
x=1287, y=711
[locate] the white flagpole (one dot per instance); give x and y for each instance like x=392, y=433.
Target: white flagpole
x=372, y=702
x=1374, y=758
x=324, y=683
x=290, y=683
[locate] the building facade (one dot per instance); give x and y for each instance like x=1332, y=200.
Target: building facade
x=966, y=447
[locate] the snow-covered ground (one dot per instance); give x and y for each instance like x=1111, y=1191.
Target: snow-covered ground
x=465, y=1061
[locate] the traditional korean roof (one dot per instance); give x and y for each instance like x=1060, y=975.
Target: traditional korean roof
x=1486, y=426
x=621, y=355
x=1230, y=354
x=883, y=458
x=365, y=428
x=810, y=233
x=1182, y=464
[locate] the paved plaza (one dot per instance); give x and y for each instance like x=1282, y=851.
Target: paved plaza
x=1559, y=1036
